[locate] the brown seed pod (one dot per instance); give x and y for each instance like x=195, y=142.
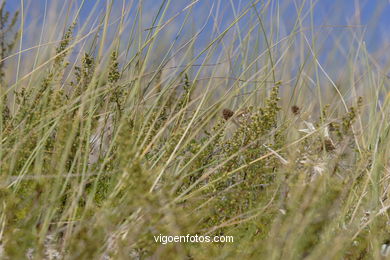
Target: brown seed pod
x=329, y=146
x=227, y=113
x=295, y=110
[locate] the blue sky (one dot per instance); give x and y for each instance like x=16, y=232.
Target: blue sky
x=375, y=18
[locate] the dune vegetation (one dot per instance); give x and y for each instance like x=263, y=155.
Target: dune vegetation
x=121, y=124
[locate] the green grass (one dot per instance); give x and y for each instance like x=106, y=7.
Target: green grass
x=111, y=134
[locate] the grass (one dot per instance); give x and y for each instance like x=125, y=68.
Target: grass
x=113, y=132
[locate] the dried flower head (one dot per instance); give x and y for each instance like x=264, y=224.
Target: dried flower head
x=329, y=146
x=295, y=110
x=227, y=113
